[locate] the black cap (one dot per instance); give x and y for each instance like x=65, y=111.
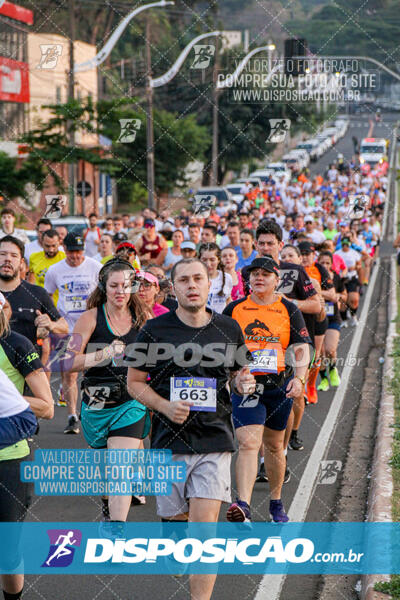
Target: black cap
x=306, y=247
x=74, y=241
x=120, y=237
x=264, y=262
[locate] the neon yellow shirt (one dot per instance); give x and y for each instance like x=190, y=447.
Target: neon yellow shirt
x=39, y=265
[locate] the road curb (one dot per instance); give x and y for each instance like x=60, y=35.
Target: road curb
x=380, y=494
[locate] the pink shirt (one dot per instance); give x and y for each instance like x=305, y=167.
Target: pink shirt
x=159, y=309
x=338, y=264
x=238, y=290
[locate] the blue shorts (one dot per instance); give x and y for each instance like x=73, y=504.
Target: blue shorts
x=267, y=406
x=334, y=325
x=97, y=425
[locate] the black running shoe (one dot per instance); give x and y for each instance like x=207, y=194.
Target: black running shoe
x=295, y=443
x=288, y=474
x=262, y=476
x=73, y=425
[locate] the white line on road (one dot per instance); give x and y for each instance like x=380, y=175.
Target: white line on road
x=271, y=585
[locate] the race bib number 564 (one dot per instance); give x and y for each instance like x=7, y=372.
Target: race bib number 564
x=201, y=391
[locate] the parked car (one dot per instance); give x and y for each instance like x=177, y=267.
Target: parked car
x=303, y=156
x=77, y=224
x=279, y=168
x=234, y=190
x=312, y=147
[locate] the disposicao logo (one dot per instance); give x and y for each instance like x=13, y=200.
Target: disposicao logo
x=62, y=547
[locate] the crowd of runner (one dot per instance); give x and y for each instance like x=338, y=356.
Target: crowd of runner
x=140, y=305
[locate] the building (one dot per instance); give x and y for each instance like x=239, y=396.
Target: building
x=15, y=22
x=48, y=57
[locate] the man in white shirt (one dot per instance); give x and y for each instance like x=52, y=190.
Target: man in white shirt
x=7, y=226
x=316, y=236
x=92, y=236
x=75, y=278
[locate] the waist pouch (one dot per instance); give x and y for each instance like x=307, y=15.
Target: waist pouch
x=103, y=395
x=274, y=380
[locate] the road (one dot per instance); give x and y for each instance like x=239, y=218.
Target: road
x=327, y=502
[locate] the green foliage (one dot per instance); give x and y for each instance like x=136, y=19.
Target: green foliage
x=13, y=179
x=344, y=28
x=177, y=141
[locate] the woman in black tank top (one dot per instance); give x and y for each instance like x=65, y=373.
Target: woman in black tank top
x=110, y=417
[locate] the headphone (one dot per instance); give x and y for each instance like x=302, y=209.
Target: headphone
x=101, y=284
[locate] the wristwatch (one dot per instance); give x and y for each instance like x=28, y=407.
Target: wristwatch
x=302, y=379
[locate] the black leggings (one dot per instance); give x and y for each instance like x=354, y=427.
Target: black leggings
x=15, y=498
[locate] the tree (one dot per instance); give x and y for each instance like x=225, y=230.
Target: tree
x=14, y=177
x=177, y=141
x=48, y=143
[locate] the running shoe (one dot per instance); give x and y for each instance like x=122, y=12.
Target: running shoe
x=353, y=321
x=288, y=474
x=112, y=530
x=73, y=425
x=334, y=377
x=295, y=443
x=344, y=324
x=277, y=512
x=138, y=500
x=324, y=385
x=60, y=397
x=105, y=509
x=239, y=512
x=262, y=476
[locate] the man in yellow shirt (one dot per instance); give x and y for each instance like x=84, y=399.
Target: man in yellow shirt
x=39, y=262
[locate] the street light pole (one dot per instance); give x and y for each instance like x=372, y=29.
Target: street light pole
x=71, y=95
x=149, y=121
x=219, y=86
x=215, y=98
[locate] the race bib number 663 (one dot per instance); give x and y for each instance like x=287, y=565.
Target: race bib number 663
x=201, y=391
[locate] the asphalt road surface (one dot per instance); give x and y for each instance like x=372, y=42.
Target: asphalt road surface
x=323, y=506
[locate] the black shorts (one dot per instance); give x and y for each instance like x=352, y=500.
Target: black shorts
x=321, y=326
x=353, y=285
x=15, y=499
x=398, y=258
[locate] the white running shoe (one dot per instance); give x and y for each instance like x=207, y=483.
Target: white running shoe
x=353, y=321
x=344, y=324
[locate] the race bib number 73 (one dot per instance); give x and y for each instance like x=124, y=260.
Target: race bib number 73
x=201, y=391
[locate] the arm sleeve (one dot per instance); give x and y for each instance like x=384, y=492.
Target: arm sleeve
x=326, y=281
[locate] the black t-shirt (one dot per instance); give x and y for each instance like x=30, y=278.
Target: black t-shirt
x=25, y=300
x=170, y=303
x=203, y=432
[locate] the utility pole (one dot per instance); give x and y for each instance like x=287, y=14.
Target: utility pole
x=149, y=119
x=215, y=125
x=71, y=95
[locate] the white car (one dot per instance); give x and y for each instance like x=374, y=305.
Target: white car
x=332, y=133
x=326, y=141
x=342, y=127
x=292, y=162
x=304, y=157
x=310, y=146
x=279, y=169
x=234, y=190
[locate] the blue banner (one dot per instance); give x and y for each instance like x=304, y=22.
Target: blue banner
x=224, y=548
x=72, y=472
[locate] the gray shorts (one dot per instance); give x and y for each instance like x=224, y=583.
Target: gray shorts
x=207, y=476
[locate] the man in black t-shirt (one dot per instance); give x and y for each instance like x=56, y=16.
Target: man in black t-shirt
x=33, y=312
x=187, y=355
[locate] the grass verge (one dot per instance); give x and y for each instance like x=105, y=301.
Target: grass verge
x=393, y=587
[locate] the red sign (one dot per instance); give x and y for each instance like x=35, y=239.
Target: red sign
x=14, y=80
x=8, y=9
